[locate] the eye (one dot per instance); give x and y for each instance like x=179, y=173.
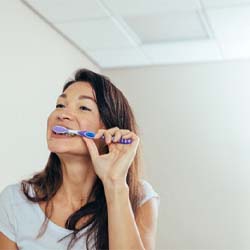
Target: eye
x=59, y=105
x=81, y=107
x=85, y=108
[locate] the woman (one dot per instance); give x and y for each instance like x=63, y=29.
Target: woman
x=90, y=194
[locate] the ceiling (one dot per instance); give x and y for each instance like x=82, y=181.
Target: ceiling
x=119, y=33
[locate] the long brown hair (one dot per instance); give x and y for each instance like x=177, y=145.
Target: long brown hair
x=115, y=111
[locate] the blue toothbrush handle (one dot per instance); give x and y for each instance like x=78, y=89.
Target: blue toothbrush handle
x=121, y=141
x=91, y=135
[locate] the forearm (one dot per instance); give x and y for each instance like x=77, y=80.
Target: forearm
x=123, y=231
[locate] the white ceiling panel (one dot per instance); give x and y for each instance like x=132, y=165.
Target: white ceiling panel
x=195, y=51
x=153, y=28
x=141, y=7
x=65, y=10
x=116, y=33
x=231, y=29
x=96, y=34
x=223, y=3
x=119, y=58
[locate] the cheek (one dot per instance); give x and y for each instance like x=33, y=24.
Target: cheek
x=90, y=125
x=50, y=118
x=48, y=123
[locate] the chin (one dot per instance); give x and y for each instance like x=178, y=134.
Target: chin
x=70, y=154
x=65, y=149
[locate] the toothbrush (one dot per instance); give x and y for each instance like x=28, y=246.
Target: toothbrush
x=85, y=133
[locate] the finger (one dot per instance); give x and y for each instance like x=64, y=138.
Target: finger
x=129, y=135
x=135, y=140
x=124, y=131
x=99, y=133
x=93, y=151
x=113, y=130
x=108, y=134
x=107, y=137
x=120, y=133
x=117, y=136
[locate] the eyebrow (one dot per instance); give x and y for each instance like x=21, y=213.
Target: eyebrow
x=80, y=97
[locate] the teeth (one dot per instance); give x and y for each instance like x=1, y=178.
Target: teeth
x=70, y=135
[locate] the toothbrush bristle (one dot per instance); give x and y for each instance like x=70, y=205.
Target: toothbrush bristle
x=59, y=129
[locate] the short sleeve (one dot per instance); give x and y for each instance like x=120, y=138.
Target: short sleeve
x=7, y=217
x=148, y=193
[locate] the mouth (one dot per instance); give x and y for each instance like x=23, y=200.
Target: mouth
x=62, y=134
x=68, y=133
x=55, y=135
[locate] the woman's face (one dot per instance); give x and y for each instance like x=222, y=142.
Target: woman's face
x=75, y=109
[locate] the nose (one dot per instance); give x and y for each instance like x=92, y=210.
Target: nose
x=65, y=115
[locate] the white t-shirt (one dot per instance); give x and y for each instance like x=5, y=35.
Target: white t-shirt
x=21, y=219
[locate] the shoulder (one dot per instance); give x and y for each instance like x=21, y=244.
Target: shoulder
x=148, y=192
x=8, y=198
x=9, y=191
x=12, y=194
x=19, y=217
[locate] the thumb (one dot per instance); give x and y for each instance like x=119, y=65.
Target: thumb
x=93, y=151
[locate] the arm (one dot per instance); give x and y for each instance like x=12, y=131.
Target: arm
x=112, y=168
x=6, y=243
x=126, y=232
x=146, y=219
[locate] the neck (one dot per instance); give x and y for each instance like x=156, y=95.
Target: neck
x=78, y=180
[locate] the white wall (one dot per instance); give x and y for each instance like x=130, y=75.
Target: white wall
x=34, y=64
x=195, y=122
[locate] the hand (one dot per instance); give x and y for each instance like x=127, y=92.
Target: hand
x=115, y=164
